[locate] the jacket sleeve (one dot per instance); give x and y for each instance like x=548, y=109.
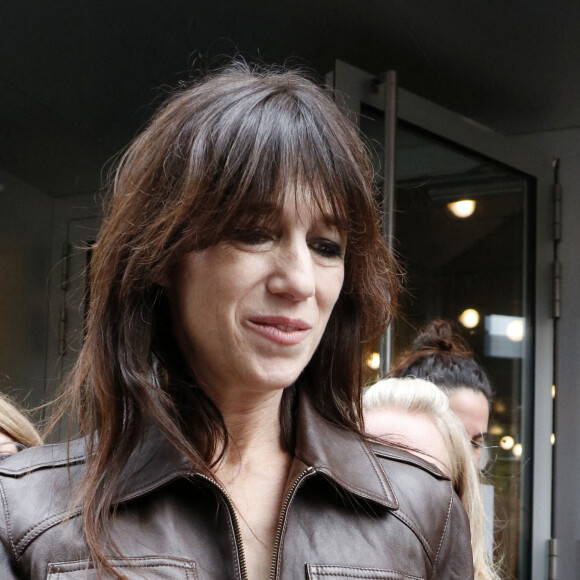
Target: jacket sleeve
x=7, y=570
x=454, y=559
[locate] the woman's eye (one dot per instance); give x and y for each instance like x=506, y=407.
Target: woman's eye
x=327, y=248
x=252, y=236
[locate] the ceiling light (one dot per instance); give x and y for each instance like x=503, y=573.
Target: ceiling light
x=506, y=442
x=462, y=208
x=517, y=450
x=515, y=330
x=374, y=361
x=469, y=318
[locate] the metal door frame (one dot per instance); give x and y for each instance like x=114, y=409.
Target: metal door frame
x=353, y=86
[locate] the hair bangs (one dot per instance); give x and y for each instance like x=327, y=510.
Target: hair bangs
x=279, y=152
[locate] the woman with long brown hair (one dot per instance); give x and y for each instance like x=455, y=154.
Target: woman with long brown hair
x=237, y=285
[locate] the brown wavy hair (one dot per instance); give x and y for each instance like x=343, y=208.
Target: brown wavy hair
x=237, y=139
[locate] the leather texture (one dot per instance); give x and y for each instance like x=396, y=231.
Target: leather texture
x=354, y=510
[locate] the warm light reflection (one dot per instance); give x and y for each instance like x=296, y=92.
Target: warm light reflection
x=553, y=391
x=374, y=361
x=462, y=208
x=506, y=442
x=496, y=429
x=469, y=318
x=517, y=450
x=553, y=438
x=515, y=330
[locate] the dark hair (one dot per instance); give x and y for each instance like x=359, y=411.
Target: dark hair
x=219, y=156
x=441, y=355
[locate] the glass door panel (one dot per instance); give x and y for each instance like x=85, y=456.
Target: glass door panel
x=461, y=232
x=482, y=263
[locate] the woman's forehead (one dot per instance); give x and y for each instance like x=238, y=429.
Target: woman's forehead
x=305, y=202
x=5, y=438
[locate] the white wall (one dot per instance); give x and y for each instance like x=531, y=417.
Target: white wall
x=565, y=144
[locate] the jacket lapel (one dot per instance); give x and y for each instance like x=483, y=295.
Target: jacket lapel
x=334, y=451
x=152, y=464
x=341, y=455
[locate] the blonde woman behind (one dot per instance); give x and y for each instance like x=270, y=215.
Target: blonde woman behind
x=16, y=431
x=415, y=414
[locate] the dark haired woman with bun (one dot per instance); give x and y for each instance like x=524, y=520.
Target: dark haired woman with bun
x=441, y=355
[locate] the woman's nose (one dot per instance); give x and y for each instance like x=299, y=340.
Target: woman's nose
x=293, y=272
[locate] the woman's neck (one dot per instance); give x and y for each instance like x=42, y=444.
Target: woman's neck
x=254, y=471
x=253, y=424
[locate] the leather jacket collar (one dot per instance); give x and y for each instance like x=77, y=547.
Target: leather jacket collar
x=337, y=453
x=331, y=450
x=341, y=455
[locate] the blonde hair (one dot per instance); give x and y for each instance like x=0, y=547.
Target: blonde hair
x=418, y=396
x=14, y=423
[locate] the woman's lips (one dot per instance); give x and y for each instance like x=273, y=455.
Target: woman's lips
x=280, y=329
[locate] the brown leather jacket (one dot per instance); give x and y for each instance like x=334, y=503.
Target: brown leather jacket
x=352, y=510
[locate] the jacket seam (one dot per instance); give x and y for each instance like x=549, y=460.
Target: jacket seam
x=449, y=506
x=354, y=573
x=39, y=528
x=8, y=520
x=411, y=461
x=37, y=466
x=411, y=524
x=385, y=499
x=383, y=479
x=149, y=486
x=150, y=562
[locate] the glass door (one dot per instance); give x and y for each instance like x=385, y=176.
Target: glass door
x=470, y=226
x=76, y=225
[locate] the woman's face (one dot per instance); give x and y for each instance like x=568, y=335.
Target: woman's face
x=250, y=313
x=473, y=411
x=7, y=446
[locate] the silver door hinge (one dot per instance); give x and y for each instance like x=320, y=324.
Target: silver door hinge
x=557, y=201
x=556, y=289
x=553, y=559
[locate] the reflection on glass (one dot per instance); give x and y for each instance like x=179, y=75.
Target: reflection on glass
x=475, y=270
x=472, y=270
x=462, y=208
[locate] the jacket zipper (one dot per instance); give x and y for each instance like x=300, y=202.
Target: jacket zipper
x=237, y=531
x=285, y=505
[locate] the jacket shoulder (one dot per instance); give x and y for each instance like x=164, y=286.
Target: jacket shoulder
x=36, y=489
x=44, y=457
x=427, y=503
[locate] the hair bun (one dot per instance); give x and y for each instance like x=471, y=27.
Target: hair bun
x=443, y=356
x=440, y=336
